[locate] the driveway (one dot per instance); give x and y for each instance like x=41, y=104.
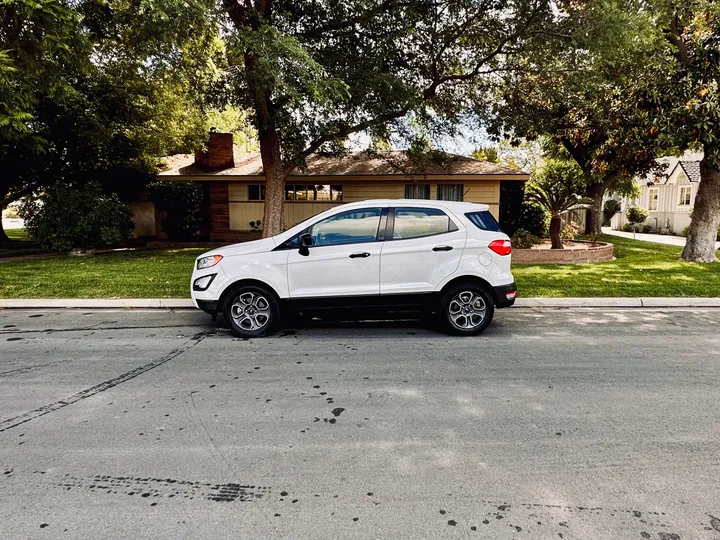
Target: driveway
x=657, y=238
x=573, y=424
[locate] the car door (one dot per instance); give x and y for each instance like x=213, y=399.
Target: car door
x=344, y=259
x=422, y=247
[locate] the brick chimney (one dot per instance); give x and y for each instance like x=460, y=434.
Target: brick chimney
x=219, y=154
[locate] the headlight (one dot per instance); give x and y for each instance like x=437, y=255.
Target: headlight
x=202, y=283
x=207, y=262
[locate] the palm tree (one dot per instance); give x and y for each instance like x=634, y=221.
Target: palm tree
x=555, y=187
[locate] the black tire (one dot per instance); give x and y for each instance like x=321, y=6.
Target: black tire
x=251, y=311
x=465, y=318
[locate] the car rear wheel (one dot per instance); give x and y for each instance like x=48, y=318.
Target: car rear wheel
x=466, y=309
x=251, y=311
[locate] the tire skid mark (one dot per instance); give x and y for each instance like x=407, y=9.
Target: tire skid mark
x=96, y=327
x=26, y=369
x=166, y=488
x=89, y=392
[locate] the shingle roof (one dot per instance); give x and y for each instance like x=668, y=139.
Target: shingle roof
x=692, y=170
x=355, y=164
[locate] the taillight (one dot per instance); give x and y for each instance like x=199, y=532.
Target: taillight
x=501, y=247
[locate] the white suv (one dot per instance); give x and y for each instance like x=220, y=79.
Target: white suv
x=445, y=257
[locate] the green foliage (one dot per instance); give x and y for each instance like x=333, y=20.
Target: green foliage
x=636, y=215
x=626, y=227
x=569, y=231
x=523, y=239
x=611, y=207
x=647, y=229
x=100, y=91
x=556, y=187
x=487, y=153
x=182, y=204
x=66, y=217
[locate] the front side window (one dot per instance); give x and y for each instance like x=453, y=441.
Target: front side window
x=450, y=192
x=685, y=194
x=653, y=203
x=417, y=222
x=417, y=191
x=351, y=227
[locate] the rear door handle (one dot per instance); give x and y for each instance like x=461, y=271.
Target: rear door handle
x=359, y=255
x=442, y=248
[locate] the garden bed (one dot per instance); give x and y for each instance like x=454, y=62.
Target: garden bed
x=574, y=252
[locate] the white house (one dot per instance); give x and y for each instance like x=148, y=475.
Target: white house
x=668, y=194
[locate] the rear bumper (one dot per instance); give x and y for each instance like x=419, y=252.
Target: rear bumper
x=505, y=295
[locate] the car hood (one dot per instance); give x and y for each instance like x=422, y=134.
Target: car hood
x=243, y=248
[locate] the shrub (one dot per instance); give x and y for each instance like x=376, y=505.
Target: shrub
x=518, y=213
x=256, y=226
x=636, y=215
x=181, y=201
x=569, y=231
x=646, y=229
x=626, y=227
x=611, y=208
x=523, y=239
x=66, y=217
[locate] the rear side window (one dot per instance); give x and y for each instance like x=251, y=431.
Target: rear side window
x=483, y=220
x=417, y=222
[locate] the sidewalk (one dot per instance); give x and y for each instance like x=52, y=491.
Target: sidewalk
x=183, y=303
x=657, y=238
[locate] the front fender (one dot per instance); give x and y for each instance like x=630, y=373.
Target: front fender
x=271, y=270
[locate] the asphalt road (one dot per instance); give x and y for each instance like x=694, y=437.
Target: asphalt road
x=574, y=424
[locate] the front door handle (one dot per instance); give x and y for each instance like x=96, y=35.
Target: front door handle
x=359, y=255
x=442, y=248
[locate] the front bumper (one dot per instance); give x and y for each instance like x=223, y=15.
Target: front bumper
x=505, y=295
x=208, y=306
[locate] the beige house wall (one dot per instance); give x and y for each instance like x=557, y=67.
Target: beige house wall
x=242, y=211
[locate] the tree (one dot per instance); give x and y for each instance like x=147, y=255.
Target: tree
x=586, y=96
x=90, y=91
x=635, y=215
x=557, y=187
x=685, y=102
x=314, y=73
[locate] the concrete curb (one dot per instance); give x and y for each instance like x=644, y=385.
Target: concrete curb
x=182, y=303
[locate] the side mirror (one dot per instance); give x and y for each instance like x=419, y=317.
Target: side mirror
x=305, y=242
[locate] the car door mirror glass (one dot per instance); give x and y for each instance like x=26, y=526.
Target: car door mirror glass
x=305, y=242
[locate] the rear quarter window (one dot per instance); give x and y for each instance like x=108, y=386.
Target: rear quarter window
x=483, y=220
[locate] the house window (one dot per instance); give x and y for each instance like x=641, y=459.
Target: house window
x=450, y=192
x=685, y=194
x=417, y=191
x=653, y=200
x=256, y=192
x=314, y=192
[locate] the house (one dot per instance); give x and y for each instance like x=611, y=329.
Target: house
x=668, y=195
x=236, y=186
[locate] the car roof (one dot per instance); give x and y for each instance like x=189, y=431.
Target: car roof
x=454, y=206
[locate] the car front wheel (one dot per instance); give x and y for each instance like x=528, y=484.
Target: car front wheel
x=466, y=309
x=251, y=311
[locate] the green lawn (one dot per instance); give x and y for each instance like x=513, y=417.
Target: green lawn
x=641, y=269
x=16, y=234
x=125, y=274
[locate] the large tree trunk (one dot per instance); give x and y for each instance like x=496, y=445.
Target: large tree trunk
x=555, y=228
x=275, y=175
x=702, y=234
x=596, y=192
